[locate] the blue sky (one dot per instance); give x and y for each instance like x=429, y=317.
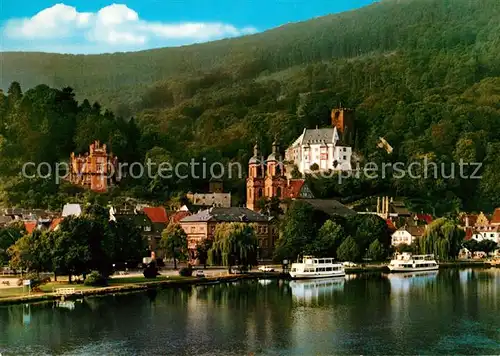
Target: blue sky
x=95, y=26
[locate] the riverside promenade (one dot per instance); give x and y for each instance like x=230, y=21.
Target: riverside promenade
x=122, y=282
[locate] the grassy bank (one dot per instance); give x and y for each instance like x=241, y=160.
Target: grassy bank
x=46, y=292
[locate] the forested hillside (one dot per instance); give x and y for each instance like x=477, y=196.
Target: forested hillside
x=424, y=74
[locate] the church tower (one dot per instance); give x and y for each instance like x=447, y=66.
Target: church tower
x=276, y=182
x=255, y=180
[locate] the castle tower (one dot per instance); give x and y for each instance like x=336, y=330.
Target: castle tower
x=276, y=182
x=98, y=167
x=91, y=170
x=343, y=119
x=255, y=180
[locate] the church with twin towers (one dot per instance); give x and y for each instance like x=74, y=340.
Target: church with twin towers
x=319, y=149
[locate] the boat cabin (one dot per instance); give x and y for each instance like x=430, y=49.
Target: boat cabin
x=309, y=260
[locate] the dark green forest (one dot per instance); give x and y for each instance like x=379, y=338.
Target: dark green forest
x=423, y=74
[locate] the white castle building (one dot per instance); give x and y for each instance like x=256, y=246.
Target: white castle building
x=321, y=147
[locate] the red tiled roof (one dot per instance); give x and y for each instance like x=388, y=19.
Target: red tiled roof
x=390, y=225
x=156, y=214
x=294, y=187
x=55, y=223
x=425, y=217
x=496, y=217
x=179, y=215
x=30, y=226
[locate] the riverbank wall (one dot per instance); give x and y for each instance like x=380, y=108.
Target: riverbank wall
x=190, y=281
x=152, y=284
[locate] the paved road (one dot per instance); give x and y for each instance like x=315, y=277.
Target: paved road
x=212, y=272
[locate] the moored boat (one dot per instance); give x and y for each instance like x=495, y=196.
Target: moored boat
x=312, y=267
x=407, y=262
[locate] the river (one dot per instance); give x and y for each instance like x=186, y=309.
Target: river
x=447, y=312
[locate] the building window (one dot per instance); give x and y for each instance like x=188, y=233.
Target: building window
x=193, y=229
x=344, y=158
x=147, y=228
x=345, y=149
x=278, y=192
x=260, y=193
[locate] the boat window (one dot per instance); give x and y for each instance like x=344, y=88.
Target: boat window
x=315, y=261
x=321, y=261
x=329, y=269
x=294, y=269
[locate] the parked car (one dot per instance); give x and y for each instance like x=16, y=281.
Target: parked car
x=266, y=269
x=349, y=264
x=199, y=273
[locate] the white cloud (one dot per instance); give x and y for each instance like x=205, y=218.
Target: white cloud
x=56, y=21
x=115, y=25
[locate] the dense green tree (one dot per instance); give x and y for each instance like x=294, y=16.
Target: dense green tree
x=422, y=75
x=330, y=237
x=406, y=248
x=487, y=246
x=234, y=243
x=376, y=251
x=349, y=250
x=174, y=242
x=297, y=230
x=202, y=251
x=366, y=228
x=8, y=237
x=443, y=238
x=270, y=207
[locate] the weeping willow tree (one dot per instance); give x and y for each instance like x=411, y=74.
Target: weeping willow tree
x=442, y=238
x=234, y=243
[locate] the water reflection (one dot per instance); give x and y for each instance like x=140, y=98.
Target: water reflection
x=445, y=312
x=309, y=291
x=402, y=283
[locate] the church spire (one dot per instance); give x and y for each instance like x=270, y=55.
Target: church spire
x=256, y=149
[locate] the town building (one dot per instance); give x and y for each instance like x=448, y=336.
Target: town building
x=207, y=200
x=96, y=169
x=325, y=149
x=151, y=221
x=71, y=210
x=407, y=235
x=201, y=226
x=482, y=227
x=267, y=179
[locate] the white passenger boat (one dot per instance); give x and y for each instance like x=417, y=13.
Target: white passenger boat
x=312, y=267
x=406, y=262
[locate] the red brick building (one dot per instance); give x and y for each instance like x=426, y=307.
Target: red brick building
x=267, y=179
x=94, y=169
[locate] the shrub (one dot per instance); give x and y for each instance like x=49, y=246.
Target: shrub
x=35, y=280
x=151, y=271
x=95, y=279
x=186, y=271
